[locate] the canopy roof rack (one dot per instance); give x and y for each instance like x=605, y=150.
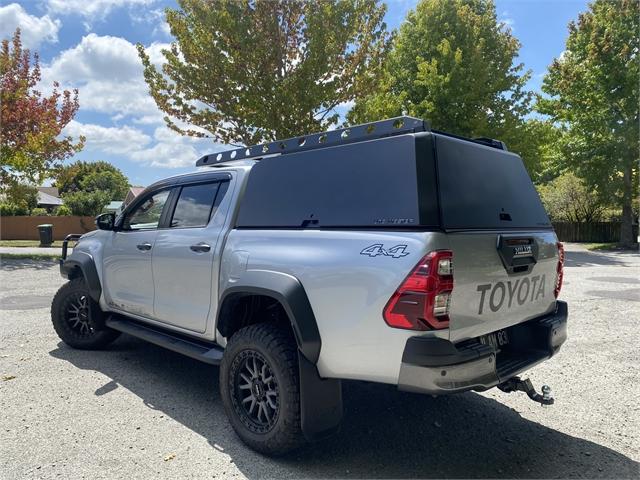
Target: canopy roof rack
x=357, y=133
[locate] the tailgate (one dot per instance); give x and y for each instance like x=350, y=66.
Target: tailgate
x=500, y=280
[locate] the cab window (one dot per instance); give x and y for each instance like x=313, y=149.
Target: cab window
x=197, y=204
x=147, y=214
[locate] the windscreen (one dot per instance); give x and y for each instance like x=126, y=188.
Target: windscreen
x=485, y=188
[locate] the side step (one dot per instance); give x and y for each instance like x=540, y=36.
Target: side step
x=203, y=351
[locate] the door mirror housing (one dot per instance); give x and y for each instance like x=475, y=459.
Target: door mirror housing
x=106, y=221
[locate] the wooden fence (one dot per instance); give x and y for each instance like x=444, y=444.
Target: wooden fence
x=26, y=228
x=597, y=232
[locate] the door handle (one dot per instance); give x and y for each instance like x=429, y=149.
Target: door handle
x=200, y=248
x=144, y=246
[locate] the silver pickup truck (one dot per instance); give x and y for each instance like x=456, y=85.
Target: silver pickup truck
x=386, y=252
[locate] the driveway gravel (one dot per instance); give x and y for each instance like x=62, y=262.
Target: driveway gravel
x=138, y=411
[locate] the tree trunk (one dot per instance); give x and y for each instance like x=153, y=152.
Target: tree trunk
x=626, y=230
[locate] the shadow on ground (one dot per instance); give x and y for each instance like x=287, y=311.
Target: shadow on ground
x=385, y=433
x=9, y=264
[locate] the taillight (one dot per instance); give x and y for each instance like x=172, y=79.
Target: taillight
x=422, y=301
x=560, y=269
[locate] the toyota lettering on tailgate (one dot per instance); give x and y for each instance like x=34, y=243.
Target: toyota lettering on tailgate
x=507, y=294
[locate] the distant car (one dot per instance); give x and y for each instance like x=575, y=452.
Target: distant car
x=386, y=252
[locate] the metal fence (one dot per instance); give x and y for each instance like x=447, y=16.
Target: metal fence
x=597, y=232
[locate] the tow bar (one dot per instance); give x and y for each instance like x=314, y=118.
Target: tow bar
x=516, y=384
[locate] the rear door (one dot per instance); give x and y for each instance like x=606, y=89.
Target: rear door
x=504, y=247
x=184, y=254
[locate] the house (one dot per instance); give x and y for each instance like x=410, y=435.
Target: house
x=115, y=207
x=131, y=194
x=48, y=198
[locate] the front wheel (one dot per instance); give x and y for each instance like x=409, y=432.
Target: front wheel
x=78, y=319
x=260, y=388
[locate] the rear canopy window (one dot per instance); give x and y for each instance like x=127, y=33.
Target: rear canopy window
x=364, y=184
x=485, y=188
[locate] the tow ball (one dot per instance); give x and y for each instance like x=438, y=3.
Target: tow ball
x=516, y=384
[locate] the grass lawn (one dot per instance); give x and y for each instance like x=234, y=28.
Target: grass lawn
x=26, y=243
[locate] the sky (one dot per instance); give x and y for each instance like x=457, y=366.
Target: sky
x=90, y=45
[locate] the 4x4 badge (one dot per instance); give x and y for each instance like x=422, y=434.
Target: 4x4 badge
x=378, y=249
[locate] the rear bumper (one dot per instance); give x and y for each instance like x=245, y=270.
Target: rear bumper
x=437, y=366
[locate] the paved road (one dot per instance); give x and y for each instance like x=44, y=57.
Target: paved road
x=137, y=411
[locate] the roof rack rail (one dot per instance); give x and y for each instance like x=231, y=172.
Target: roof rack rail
x=357, y=133
x=492, y=142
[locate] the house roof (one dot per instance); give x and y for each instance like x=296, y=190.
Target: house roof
x=49, y=200
x=53, y=191
x=135, y=191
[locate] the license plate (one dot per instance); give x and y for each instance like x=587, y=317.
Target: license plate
x=496, y=339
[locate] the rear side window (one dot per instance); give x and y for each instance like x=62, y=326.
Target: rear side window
x=195, y=205
x=485, y=188
x=370, y=184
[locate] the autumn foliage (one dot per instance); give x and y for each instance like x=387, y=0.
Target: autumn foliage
x=30, y=123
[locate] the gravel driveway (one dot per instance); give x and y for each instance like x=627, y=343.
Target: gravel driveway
x=138, y=411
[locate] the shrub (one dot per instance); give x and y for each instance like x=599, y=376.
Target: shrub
x=7, y=209
x=39, y=212
x=568, y=199
x=21, y=208
x=62, y=211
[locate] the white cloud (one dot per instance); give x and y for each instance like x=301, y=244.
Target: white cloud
x=108, y=73
x=92, y=9
x=173, y=150
x=167, y=149
x=35, y=30
x=114, y=140
x=507, y=20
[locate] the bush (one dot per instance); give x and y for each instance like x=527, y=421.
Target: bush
x=86, y=203
x=568, y=199
x=7, y=209
x=62, y=211
x=39, y=212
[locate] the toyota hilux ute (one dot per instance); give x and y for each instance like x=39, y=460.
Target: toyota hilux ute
x=386, y=252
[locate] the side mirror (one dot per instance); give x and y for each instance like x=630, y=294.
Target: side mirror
x=105, y=221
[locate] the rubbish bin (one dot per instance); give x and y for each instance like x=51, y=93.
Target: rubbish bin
x=46, y=234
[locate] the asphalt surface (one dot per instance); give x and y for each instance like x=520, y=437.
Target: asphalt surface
x=138, y=411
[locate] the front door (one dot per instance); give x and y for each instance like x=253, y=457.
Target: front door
x=128, y=277
x=184, y=254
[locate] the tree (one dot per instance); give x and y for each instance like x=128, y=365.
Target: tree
x=86, y=203
x=251, y=71
x=92, y=176
x=454, y=65
x=593, y=94
x=568, y=198
x=22, y=193
x=87, y=187
x=30, y=141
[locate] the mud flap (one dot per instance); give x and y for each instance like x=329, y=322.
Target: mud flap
x=320, y=402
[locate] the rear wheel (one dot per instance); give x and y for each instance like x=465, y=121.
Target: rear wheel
x=78, y=319
x=260, y=388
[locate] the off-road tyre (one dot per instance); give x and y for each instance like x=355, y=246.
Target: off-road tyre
x=78, y=319
x=272, y=345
